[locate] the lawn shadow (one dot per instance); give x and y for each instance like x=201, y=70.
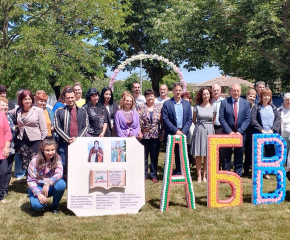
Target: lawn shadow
x=26, y=207
x=287, y=197
x=201, y=200
x=247, y=198
x=65, y=210
x=19, y=186
x=156, y=203
x=161, y=171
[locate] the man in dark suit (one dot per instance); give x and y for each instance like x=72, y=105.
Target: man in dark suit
x=235, y=117
x=177, y=119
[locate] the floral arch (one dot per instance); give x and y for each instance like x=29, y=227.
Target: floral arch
x=143, y=57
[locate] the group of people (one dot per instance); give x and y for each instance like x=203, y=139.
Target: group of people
x=40, y=136
x=213, y=114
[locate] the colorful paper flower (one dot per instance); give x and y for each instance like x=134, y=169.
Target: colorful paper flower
x=268, y=165
x=147, y=56
x=215, y=176
x=184, y=179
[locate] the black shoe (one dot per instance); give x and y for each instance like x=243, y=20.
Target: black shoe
x=54, y=210
x=6, y=194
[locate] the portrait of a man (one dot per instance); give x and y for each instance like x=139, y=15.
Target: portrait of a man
x=96, y=153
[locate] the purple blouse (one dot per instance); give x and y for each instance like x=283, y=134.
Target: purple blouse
x=122, y=127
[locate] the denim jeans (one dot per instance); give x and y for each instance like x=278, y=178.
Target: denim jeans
x=56, y=191
x=18, y=171
x=63, y=151
x=10, y=160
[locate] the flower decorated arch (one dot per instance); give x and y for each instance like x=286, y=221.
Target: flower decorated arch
x=143, y=57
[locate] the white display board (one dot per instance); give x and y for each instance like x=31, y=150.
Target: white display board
x=105, y=176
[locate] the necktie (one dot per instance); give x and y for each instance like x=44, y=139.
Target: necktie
x=236, y=113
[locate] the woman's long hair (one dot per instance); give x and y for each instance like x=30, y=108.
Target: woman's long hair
x=122, y=101
x=40, y=158
x=198, y=97
x=102, y=100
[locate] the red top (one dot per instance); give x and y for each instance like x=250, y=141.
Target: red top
x=73, y=130
x=5, y=133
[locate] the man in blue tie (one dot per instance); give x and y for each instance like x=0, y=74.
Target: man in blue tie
x=177, y=119
x=235, y=117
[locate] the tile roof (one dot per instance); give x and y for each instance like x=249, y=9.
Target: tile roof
x=225, y=81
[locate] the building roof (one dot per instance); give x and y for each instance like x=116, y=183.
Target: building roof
x=224, y=81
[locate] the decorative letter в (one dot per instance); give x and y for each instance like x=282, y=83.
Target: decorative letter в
x=215, y=176
x=184, y=179
x=268, y=165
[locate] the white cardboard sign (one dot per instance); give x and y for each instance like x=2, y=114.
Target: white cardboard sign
x=105, y=176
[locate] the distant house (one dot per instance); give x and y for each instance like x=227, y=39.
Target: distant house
x=225, y=83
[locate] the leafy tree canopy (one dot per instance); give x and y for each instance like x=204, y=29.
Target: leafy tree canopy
x=169, y=80
x=151, y=32
x=126, y=85
x=248, y=39
x=47, y=45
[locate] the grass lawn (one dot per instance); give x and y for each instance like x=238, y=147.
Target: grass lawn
x=244, y=222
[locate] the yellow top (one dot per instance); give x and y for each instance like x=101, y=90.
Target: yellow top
x=80, y=102
x=48, y=122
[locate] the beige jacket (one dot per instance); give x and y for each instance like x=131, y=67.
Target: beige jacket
x=34, y=124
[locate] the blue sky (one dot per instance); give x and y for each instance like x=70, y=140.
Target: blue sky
x=190, y=77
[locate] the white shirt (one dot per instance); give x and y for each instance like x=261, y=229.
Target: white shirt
x=108, y=108
x=218, y=104
x=160, y=100
x=141, y=99
x=285, y=115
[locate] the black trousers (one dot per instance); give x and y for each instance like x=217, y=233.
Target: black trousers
x=177, y=170
x=238, y=159
x=3, y=174
x=10, y=160
x=151, y=146
x=248, y=150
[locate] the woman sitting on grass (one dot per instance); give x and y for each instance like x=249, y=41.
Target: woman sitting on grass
x=44, y=177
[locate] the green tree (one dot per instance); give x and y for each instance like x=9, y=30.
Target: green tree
x=248, y=39
x=144, y=35
x=135, y=78
x=119, y=88
x=47, y=45
x=245, y=88
x=169, y=80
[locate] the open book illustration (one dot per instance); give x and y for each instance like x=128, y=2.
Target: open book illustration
x=101, y=177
